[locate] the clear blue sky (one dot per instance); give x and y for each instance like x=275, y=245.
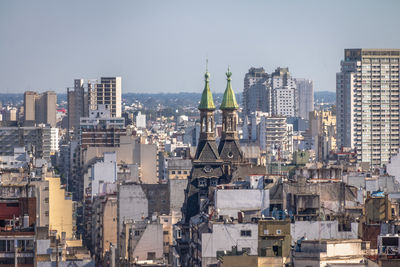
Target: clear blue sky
x=162, y=46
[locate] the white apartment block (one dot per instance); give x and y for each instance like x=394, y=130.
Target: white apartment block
x=284, y=102
x=284, y=94
x=54, y=140
x=368, y=104
x=276, y=136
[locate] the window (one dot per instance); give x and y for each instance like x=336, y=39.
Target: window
x=165, y=232
x=245, y=233
x=179, y=172
x=178, y=234
x=246, y=250
x=173, y=172
x=151, y=255
x=137, y=233
x=278, y=231
x=2, y=245
x=277, y=251
x=202, y=182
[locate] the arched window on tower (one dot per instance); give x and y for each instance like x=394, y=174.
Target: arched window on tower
x=229, y=124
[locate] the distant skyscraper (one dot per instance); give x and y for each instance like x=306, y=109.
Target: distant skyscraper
x=40, y=108
x=29, y=105
x=257, y=91
x=305, y=90
x=284, y=93
x=78, y=105
x=107, y=92
x=367, y=100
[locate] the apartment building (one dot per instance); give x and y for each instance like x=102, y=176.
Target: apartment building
x=257, y=91
x=107, y=92
x=40, y=108
x=367, y=89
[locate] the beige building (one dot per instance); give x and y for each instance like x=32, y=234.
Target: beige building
x=40, y=108
x=322, y=128
x=104, y=232
x=274, y=242
x=60, y=208
x=324, y=252
x=367, y=100
x=107, y=92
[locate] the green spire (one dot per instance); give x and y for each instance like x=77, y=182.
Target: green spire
x=229, y=100
x=207, y=101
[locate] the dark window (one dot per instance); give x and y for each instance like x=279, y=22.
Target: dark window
x=246, y=250
x=277, y=251
x=245, y=233
x=151, y=255
x=2, y=245
x=263, y=252
x=137, y=233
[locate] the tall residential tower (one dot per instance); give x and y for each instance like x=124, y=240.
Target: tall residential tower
x=305, y=90
x=257, y=91
x=107, y=92
x=40, y=108
x=367, y=99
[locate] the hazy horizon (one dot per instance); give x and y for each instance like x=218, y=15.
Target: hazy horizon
x=160, y=46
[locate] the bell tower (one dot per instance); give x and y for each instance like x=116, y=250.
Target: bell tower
x=207, y=166
x=229, y=148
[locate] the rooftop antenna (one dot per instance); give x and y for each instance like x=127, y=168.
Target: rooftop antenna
x=206, y=64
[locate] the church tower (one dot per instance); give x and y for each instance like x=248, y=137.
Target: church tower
x=207, y=166
x=229, y=148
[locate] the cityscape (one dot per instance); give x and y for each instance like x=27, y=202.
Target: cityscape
x=269, y=161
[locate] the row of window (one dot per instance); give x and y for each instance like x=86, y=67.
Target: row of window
x=179, y=172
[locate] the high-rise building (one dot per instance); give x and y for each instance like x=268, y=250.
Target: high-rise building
x=284, y=93
x=367, y=101
x=29, y=105
x=40, y=108
x=305, y=90
x=78, y=105
x=107, y=92
x=36, y=140
x=257, y=91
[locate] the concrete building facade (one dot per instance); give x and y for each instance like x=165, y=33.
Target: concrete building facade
x=305, y=90
x=40, y=108
x=367, y=91
x=107, y=92
x=257, y=91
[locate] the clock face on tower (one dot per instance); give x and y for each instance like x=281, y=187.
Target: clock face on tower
x=207, y=168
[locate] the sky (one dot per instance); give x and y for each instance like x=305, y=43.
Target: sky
x=162, y=46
